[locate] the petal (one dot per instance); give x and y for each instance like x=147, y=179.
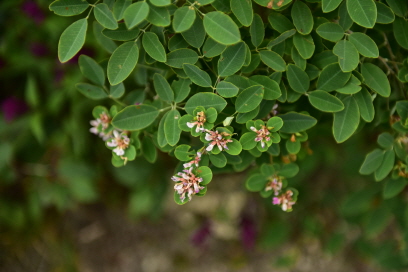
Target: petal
x=210, y=147
x=112, y=143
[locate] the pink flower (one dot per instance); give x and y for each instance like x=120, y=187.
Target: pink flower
x=285, y=200
x=187, y=183
x=216, y=138
x=121, y=141
x=262, y=135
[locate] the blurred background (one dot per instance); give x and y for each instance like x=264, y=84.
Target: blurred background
x=64, y=207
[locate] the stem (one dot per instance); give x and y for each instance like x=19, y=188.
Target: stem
x=92, y=7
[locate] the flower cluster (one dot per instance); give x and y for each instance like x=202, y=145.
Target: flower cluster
x=217, y=139
x=285, y=200
x=199, y=122
x=100, y=126
x=262, y=135
x=275, y=184
x=120, y=141
x=195, y=162
x=187, y=183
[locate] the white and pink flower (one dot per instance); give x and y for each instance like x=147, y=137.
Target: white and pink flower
x=217, y=139
x=275, y=184
x=285, y=200
x=121, y=141
x=196, y=161
x=200, y=119
x=187, y=184
x=262, y=135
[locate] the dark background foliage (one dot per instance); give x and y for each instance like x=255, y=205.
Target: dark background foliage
x=64, y=207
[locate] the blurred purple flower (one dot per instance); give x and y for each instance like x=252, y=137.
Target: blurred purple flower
x=201, y=235
x=12, y=107
x=38, y=49
x=84, y=51
x=248, y=232
x=32, y=10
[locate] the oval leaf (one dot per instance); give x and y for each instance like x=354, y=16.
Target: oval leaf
x=324, y=101
x=221, y=28
x=72, y=40
x=122, y=62
x=345, y=122
x=135, y=117
x=294, y=122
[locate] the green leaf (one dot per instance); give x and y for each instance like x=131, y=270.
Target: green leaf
x=181, y=56
x=160, y=3
x=345, y=122
x=212, y=49
x=297, y=58
x=281, y=38
x=158, y=16
x=292, y=147
x=257, y=30
x=271, y=88
x=161, y=137
x=149, y=149
x=280, y=22
x=273, y=60
x=294, y=122
x=197, y=76
x=171, y=128
x=332, y=78
x=242, y=9
x=372, y=161
x=72, y=40
x=400, y=27
x=195, y=35
x=365, y=105
x=304, y=44
x=232, y=59
x=183, y=153
x=205, y=173
x=181, y=89
x=91, y=70
x=289, y=170
x=91, y=91
x=345, y=20
x=247, y=140
x=364, y=44
x=363, y=12
x=122, y=62
x=206, y=100
x=330, y=31
x=121, y=33
x=102, y=40
x=385, y=140
x=234, y=148
x=117, y=91
x=256, y=183
x=324, y=101
x=183, y=19
x=376, y=79
x=135, y=14
x=386, y=166
x=402, y=109
x=218, y=160
x=162, y=87
x=274, y=124
x=105, y=16
x=302, y=17
x=348, y=55
x=119, y=8
x=399, y=7
x=385, y=15
x=135, y=117
x=154, y=47
x=69, y=7
x=393, y=187
x=249, y=98
x=330, y=5
x=227, y=89
x=351, y=87
x=298, y=79
x=221, y=28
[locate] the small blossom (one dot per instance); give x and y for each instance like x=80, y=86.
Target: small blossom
x=285, y=200
x=275, y=184
x=199, y=121
x=217, y=138
x=100, y=125
x=187, y=183
x=121, y=141
x=196, y=161
x=262, y=135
